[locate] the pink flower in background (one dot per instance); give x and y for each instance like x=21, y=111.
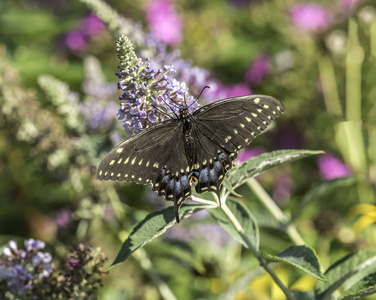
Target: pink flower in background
x=63, y=218
x=163, y=21
x=331, y=167
x=75, y=40
x=282, y=189
x=310, y=17
x=259, y=69
x=236, y=90
x=91, y=25
x=247, y=153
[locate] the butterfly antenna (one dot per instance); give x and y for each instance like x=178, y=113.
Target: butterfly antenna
x=164, y=101
x=162, y=112
x=205, y=87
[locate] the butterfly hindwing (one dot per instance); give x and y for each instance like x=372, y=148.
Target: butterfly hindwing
x=172, y=182
x=210, y=163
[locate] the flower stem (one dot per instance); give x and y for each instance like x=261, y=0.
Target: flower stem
x=262, y=261
x=147, y=265
x=273, y=208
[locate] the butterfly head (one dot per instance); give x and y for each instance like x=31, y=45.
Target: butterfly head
x=185, y=118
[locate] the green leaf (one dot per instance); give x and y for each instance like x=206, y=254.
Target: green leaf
x=319, y=191
x=244, y=217
x=300, y=295
x=151, y=227
x=364, y=287
x=240, y=283
x=347, y=272
x=227, y=184
x=301, y=257
x=181, y=250
x=258, y=164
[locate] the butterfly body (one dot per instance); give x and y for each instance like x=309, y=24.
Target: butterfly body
x=191, y=150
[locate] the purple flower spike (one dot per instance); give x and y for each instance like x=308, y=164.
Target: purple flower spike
x=22, y=270
x=7, y=252
x=149, y=94
x=310, y=17
x=13, y=245
x=331, y=167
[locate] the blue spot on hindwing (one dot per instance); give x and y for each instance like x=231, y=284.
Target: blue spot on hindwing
x=204, y=176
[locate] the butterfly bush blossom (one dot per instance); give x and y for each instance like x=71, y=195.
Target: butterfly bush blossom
x=29, y=274
x=149, y=94
x=21, y=271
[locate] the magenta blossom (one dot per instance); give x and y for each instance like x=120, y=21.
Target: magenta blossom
x=63, y=218
x=282, y=189
x=310, y=17
x=164, y=23
x=247, y=153
x=259, y=69
x=331, y=167
x=236, y=90
x=91, y=25
x=75, y=40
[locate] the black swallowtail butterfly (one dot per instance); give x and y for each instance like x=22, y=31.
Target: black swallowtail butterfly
x=193, y=149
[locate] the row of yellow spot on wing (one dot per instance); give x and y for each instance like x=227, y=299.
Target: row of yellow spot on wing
x=257, y=101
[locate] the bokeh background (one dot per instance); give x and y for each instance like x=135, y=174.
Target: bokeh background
x=58, y=118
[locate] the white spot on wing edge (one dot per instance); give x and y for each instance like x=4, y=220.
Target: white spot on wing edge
x=257, y=100
x=119, y=150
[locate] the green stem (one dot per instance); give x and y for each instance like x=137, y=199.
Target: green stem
x=211, y=204
x=262, y=261
x=273, y=208
x=329, y=86
x=140, y=255
x=147, y=265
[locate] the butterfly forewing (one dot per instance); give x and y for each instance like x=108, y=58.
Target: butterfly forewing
x=140, y=158
x=237, y=121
